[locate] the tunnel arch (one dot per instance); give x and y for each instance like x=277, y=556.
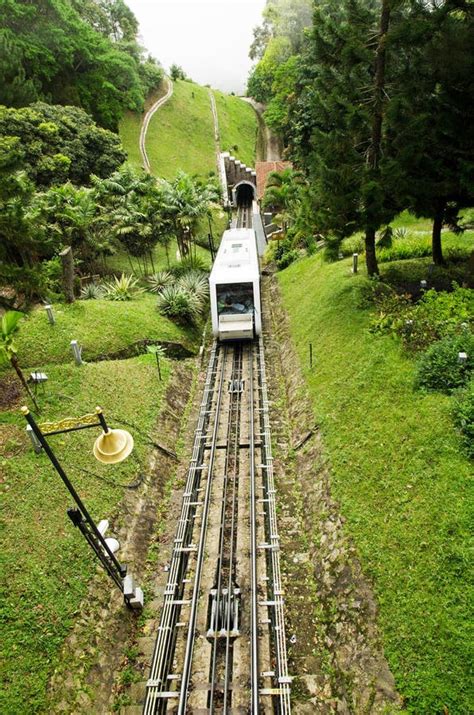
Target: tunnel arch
x=244, y=193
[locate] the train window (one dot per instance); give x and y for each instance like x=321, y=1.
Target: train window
x=235, y=298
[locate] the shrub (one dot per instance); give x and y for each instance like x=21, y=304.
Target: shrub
x=178, y=304
x=353, y=244
x=159, y=280
x=92, y=291
x=439, y=367
x=285, y=254
x=190, y=263
x=400, y=232
x=464, y=416
x=197, y=284
x=123, y=288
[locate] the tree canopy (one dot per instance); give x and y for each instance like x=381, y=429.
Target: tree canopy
x=78, y=53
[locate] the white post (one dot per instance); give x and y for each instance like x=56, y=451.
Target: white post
x=34, y=439
x=50, y=314
x=462, y=358
x=355, y=261
x=77, y=352
x=423, y=285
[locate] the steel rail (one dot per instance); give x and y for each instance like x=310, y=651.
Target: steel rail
x=254, y=675
x=233, y=433
x=165, y=642
x=185, y=676
x=273, y=559
x=231, y=577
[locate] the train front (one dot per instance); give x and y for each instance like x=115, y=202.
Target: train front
x=235, y=287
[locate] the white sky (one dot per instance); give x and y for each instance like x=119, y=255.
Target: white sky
x=210, y=39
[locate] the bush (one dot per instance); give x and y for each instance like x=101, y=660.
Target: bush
x=159, y=280
x=190, y=263
x=123, y=288
x=197, y=284
x=178, y=304
x=464, y=416
x=92, y=291
x=285, y=254
x=439, y=367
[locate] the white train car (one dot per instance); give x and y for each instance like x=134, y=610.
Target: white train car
x=234, y=286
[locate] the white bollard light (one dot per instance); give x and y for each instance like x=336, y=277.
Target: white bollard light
x=355, y=262
x=423, y=285
x=34, y=439
x=50, y=314
x=462, y=358
x=77, y=352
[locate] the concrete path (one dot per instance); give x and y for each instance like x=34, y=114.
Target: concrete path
x=273, y=147
x=146, y=122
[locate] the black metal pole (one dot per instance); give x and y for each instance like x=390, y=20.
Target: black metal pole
x=52, y=457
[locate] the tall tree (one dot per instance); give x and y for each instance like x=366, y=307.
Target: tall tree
x=431, y=113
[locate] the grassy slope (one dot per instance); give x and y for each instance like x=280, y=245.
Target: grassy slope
x=130, y=125
x=100, y=326
x=401, y=478
x=181, y=133
x=46, y=564
x=237, y=126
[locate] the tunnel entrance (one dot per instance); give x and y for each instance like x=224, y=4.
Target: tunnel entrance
x=245, y=194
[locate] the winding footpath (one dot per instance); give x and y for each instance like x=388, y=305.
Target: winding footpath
x=146, y=122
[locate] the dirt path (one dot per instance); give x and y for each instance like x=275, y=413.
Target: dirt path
x=146, y=122
x=269, y=147
x=215, y=117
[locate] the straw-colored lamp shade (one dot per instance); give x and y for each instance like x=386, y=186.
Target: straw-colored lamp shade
x=113, y=446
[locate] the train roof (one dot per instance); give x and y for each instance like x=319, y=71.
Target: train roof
x=237, y=259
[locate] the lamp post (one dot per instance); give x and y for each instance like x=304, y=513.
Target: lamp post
x=111, y=447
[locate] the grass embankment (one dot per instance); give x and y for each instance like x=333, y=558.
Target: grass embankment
x=100, y=326
x=130, y=126
x=400, y=474
x=46, y=565
x=181, y=133
x=237, y=126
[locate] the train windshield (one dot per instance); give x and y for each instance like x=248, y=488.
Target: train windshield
x=235, y=298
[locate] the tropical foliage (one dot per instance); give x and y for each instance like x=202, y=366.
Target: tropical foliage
x=75, y=53
x=374, y=102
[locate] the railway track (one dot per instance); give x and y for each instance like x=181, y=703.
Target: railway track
x=244, y=217
x=220, y=645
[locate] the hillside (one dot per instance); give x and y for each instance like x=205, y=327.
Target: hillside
x=181, y=133
x=400, y=475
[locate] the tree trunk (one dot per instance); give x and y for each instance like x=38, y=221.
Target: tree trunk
x=436, y=248
x=370, y=255
x=67, y=261
x=21, y=377
x=375, y=147
x=152, y=262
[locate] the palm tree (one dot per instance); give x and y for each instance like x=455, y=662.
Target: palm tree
x=8, y=349
x=283, y=194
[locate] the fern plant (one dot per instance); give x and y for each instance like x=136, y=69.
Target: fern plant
x=123, y=288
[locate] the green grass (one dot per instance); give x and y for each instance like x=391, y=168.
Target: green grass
x=181, y=133
x=130, y=125
x=46, y=564
x=238, y=127
x=401, y=477
x=100, y=326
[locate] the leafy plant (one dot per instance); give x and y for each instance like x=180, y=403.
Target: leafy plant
x=400, y=232
x=464, y=416
x=160, y=353
x=177, y=303
x=8, y=349
x=159, y=280
x=190, y=263
x=92, y=291
x=123, y=288
x=197, y=284
x=440, y=368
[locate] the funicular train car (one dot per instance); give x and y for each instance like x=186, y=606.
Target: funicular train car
x=235, y=287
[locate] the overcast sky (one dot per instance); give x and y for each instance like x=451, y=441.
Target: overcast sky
x=210, y=39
